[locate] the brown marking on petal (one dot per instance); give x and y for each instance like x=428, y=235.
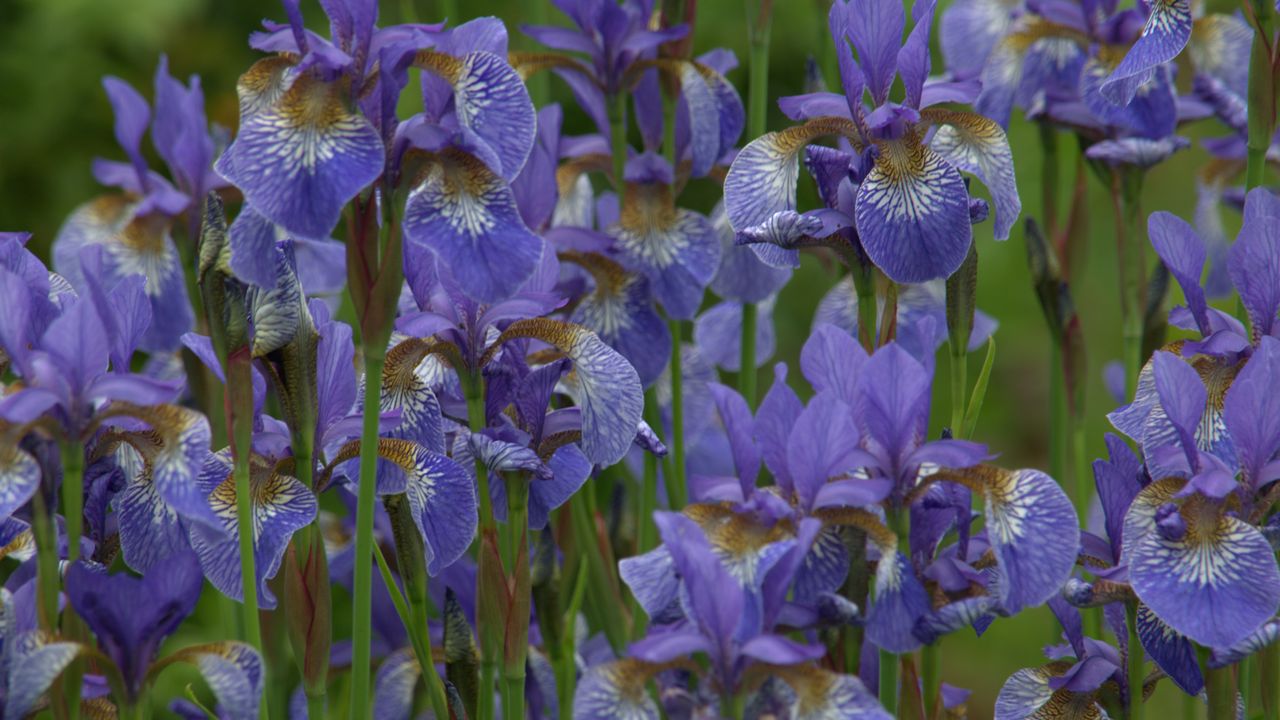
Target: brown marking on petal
x=568, y=172
x=560, y=334
x=528, y=64
x=630, y=676
x=313, y=103
x=864, y=520
x=649, y=209
x=903, y=159
x=553, y=442
x=609, y=275
x=262, y=83
x=22, y=546
x=446, y=66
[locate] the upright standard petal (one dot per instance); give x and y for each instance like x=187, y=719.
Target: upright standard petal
x=303, y=154
x=1252, y=260
x=875, y=27
x=466, y=214
x=1184, y=254
x=912, y=213
x=1166, y=33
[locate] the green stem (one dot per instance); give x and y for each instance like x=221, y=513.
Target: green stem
x=239, y=370
x=603, y=588
x=1269, y=679
x=47, y=580
x=412, y=563
x=618, y=143
x=855, y=590
x=930, y=661
x=747, y=357
x=646, y=531
x=677, y=493
x=540, y=83
x=316, y=706
x=1135, y=662
x=1261, y=95
x=362, y=603
x=864, y=284
x=959, y=386
x=889, y=682
x=488, y=524
x=1124, y=197
x=518, y=528
x=1049, y=179
x=734, y=706
x=73, y=495
x=1083, y=470
x=1219, y=688
x=1058, y=421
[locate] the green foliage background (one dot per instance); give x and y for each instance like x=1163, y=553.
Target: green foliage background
x=54, y=118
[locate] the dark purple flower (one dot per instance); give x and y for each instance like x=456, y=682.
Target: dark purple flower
x=131, y=617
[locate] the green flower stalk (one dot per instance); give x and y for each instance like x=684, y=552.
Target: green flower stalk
x=375, y=275
x=759, y=13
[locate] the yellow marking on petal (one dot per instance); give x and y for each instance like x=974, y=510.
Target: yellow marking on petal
x=568, y=173
x=21, y=548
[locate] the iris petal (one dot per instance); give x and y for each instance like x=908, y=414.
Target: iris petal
x=900, y=602
x=1166, y=33
x=394, y=684
x=1033, y=530
x=762, y=179
x=19, y=478
x=1216, y=584
x=975, y=144
x=1171, y=651
x=442, y=498
x=34, y=664
x=614, y=691
x=913, y=213
x=466, y=213
x=607, y=389
x=303, y=155
x=677, y=249
x=491, y=101
x=1027, y=695
x=233, y=671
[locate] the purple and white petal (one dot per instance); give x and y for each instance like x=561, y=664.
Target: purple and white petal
x=1034, y=532
x=762, y=179
x=1214, y=581
x=34, y=663
x=975, y=144
x=393, y=685
x=302, y=156
x=679, y=251
x=443, y=500
x=717, y=333
x=19, y=478
x=1171, y=651
x=466, y=214
x=1165, y=34
x=614, y=690
x=491, y=101
x=900, y=602
x=913, y=213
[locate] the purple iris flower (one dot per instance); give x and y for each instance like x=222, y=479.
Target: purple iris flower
x=732, y=625
x=1103, y=71
x=621, y=59
x=334, y=101
x=910, y=207
x=133, y=227
x=1072, y=685
x=73, y=353
x=470, y=335
x=131, y=617
x=1225, y=345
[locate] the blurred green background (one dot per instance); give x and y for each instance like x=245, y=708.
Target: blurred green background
x=54, y=118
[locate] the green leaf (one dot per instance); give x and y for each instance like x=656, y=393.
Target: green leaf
x=980, y=389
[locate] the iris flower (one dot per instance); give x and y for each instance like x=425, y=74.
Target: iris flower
x=911, y=207
x=133, y=227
